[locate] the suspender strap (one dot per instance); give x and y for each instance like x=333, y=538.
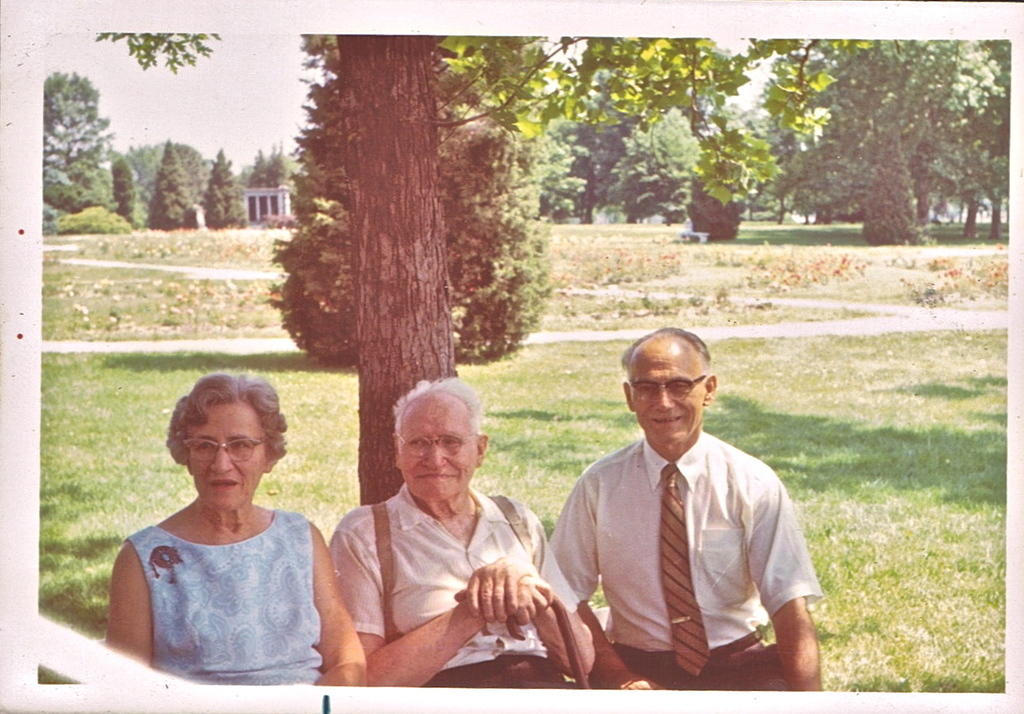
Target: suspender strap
x=382, y=531
x=518, y=525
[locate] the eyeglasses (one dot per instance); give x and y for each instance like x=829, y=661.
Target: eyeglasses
x=421, y=445
x=676, y=388
x=237, y=449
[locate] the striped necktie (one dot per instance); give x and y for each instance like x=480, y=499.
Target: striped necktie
x=688, y=638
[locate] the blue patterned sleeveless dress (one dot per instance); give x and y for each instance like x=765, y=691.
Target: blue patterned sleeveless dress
x=241, y=613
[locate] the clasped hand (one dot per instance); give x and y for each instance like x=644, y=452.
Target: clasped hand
x=506, y=591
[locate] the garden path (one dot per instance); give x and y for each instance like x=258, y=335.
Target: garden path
x=899, y=319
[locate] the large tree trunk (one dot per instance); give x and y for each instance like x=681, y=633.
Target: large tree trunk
x=995, y=228
x=971, y=222
x=403, y=318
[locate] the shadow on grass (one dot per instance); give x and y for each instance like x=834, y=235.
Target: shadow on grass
x=940, y=390
x=844, y=235
x=822, y=454
x=76, y=576
x=265, y=363
x=850, y=235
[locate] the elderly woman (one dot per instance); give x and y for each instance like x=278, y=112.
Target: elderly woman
x=225, y=591
x=455, y=568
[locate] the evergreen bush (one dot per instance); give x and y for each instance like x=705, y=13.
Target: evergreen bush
x=94, y=220
x=124, y=189
x=223, y=199
x=496, y=251
x=171, y=207
x=889, y=217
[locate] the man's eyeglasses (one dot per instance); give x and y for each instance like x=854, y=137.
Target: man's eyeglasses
x=421, y=445
x=676, y=388
x=237, y=449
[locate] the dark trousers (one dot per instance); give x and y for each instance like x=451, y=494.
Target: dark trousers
x=741, y=665
x=505, y=672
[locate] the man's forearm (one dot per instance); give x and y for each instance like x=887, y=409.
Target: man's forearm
x=609, y=669
x=798, y=646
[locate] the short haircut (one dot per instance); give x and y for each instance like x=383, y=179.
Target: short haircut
x=217, y=388
x=672, y=332
x=449, y=385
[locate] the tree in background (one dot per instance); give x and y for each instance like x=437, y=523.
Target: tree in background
x=75, y=145
x=124, y=189
x=223, y=199
x=145, y=163
x=596, y=148
x=197, y=172
x=171, y=206
x=269, y=171
x=947, y=100
x=654, y=175
x=560, y=190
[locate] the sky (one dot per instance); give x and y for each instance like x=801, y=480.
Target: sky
x=245, y=97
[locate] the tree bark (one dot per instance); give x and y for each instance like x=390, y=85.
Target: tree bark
x=971, y=222
x=996, y=226
x=403, y=320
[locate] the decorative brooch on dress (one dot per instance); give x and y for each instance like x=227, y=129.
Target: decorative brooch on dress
x=164, y=556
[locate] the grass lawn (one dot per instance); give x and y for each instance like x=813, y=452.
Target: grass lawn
x=767, y=262
x=893, y=448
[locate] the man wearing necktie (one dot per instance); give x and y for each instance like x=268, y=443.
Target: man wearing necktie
x=695, y=543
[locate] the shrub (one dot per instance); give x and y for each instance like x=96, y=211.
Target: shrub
x=708, y=215
x=496, y=252
x=93, y=220
x=274, y=222
x=889, y=206
x=223, y=199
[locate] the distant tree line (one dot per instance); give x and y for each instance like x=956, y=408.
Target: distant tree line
x=159, y=186
x=916, y=131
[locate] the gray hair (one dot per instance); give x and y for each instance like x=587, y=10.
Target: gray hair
x=217, y=388
x=674, y=332
x=449, y=385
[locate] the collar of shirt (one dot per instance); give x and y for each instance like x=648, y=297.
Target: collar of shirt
x=408, y=515
x=690, y=465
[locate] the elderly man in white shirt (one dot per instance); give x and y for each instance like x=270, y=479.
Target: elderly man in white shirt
x=460, y=572
x=695, y=543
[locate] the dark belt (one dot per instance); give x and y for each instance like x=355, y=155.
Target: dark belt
x=737, y=645
x=733, y=647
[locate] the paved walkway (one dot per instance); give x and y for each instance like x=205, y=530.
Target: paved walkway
x=187, y=272
x=899, y=319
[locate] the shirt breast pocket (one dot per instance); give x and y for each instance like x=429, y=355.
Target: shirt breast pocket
x=723, y=560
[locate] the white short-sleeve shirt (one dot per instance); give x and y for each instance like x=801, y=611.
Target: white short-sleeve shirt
x=431, y=566
x=747, y=553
